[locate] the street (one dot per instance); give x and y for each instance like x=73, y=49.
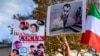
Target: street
x=4, y=51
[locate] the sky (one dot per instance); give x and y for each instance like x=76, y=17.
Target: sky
x=10, y=7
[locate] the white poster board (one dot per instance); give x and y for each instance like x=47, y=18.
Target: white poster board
x=66, y=18
x=28, y=37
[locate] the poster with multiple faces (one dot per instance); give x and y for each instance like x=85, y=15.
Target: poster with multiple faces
x=66, y=18
x=28, y=37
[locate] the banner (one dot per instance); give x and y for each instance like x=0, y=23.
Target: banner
x=66, y=18
x=28, y=37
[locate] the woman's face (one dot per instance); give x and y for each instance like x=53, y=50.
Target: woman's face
x=14, y=53
x=33, y=28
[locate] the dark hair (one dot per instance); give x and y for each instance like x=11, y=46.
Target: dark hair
x=16, y=51
x=67, y=5
x=22, y=23
x=42, y=22
x=40, y=45
x=17, y=42
x=32, y=46
x=37, y=27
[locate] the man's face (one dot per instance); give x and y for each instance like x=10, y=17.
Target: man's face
x=17, y=45
x=66, y=11
x=22, y=26
x=32, y=49
x=27, y=24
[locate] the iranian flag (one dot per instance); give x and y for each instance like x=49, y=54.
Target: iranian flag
x=92, y=33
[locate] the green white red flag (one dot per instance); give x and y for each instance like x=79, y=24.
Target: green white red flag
x=92, y=33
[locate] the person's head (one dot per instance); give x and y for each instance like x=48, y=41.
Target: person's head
x=32, y=48
x=15, y=52
x=22, y=25
x=34, y=28
x=40, y=22
x=17, y=44
x=40, y=47
x=26, y=25
x=66, y=9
